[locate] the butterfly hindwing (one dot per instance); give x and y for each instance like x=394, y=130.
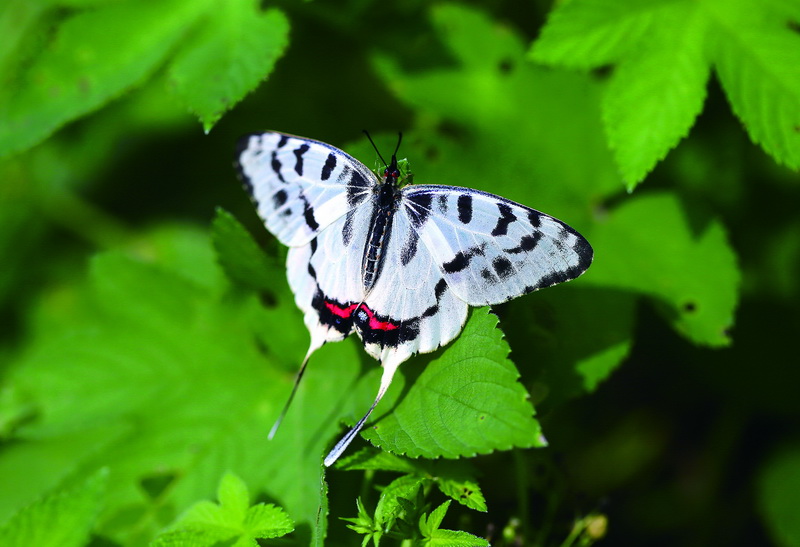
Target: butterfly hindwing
x=300, y=186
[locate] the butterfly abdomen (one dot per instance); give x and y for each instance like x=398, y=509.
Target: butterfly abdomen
x=379, y=232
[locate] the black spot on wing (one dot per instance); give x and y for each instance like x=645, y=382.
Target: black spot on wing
x=276, y=166
x=462, y=259
x=409, y=248
x=308, y=214
x=298, y=154
x=526, y=244
x=357, y=186
x=488, y=276
x=502, y=266
x=279, y=198
x=584, y=253
x=535, y=218
x=441, y=200
x=506, y=218
x=347, y=229
x=419, y=208
x=311, y=271
x=464, y=208
x=282, y=141
x=330, y=165
x=438, y=291
x=313, y=244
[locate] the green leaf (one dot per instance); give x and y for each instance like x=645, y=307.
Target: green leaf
x=456, y=484
x=430, y=523
x=240, y=256
x=454, y=538
x=434, y=536
x=389, y=508
x=235, y=48
x=206, y=523
x=591, y=33
x=779, y=496
x=649, y=246
x=466, y=400
x=453, y=478
x=158, y=376
x=95, y=56
x=757, y=58
x=656, y=94
x=61, y=519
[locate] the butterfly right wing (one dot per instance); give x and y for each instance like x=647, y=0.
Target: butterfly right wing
x=300, y=186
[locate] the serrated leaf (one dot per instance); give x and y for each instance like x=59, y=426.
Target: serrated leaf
x=389, y=508
x=454, y=538
x=590, y=33
x=61, y=519
x=466, y=400
x=464, y=491
x=370, y=459
x=95, y=56
x=235, y=49
x=656, y=94
x=779, y=496
x=758, y=63
x=650, y=247
x=430, y=523
x=232, y=520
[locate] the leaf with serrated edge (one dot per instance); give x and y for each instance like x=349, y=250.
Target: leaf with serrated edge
x=590, y=33
x=467, y=400
x=757, y=58
x=65, y=517
x=234, y=50
x=96, y=55
x=656, y=94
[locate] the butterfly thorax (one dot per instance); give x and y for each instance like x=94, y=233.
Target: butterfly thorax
x=387, y=199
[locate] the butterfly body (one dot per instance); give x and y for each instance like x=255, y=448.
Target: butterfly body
x=399, y=265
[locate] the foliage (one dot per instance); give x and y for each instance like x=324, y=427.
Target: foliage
x=148, y=343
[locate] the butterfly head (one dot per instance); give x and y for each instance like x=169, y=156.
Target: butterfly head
x=395, y=173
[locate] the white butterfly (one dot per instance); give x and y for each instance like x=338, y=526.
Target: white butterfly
x=397, y=265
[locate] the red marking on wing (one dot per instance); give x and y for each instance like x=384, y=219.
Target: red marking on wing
x=347, y=311
x=375, y=323
x=340, y=311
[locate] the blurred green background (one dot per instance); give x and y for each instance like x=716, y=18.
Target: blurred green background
x=663, y=380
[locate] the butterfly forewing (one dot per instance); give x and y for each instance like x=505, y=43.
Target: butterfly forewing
x=490, y=249
x=300, y=186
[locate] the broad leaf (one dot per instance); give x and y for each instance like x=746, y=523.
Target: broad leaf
x=466, y=400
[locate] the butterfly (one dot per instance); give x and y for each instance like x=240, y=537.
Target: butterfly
x=398, y=264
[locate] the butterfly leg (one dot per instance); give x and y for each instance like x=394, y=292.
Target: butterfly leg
x=390, y=366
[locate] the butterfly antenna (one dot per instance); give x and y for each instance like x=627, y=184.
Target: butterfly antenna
x=399, y=140
x=291, y=396
x=373, y=146
x=389, y=368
